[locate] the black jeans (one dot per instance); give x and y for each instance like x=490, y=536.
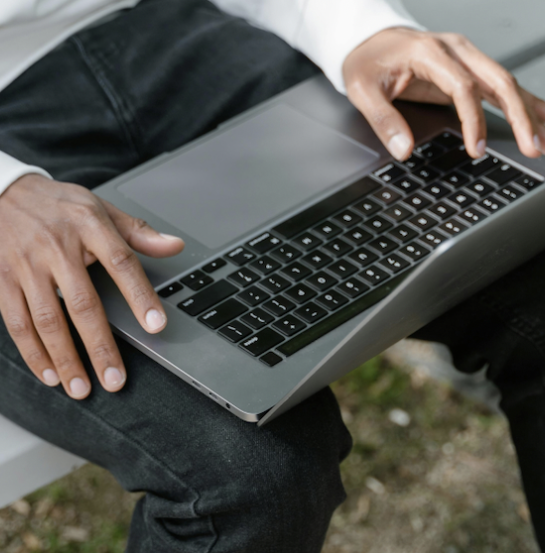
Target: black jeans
x=116, y=95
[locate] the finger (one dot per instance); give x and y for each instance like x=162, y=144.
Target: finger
x=497, y=83
x=434, y=63
x=422, y=91
x=19, y=324
x=141, y=237
x=52, y=328
x=89, y=318
x=389, y=125
x=123, y=266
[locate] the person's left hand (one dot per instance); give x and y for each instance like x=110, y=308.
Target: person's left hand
x=438, y=68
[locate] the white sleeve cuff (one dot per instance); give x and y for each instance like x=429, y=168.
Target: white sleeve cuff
x=12, y=169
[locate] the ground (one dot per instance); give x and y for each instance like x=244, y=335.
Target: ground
x=431, y=472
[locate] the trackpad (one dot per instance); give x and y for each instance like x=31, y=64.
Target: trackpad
x=248, y=175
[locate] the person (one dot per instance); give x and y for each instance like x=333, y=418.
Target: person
x=92, y=88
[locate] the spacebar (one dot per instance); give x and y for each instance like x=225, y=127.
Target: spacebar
x=339, y=317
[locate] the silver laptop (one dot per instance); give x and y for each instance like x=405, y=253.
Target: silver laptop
x=309, y=250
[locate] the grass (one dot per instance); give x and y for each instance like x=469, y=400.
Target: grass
x=430, y=472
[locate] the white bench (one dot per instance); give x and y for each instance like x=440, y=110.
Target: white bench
x=28, y=463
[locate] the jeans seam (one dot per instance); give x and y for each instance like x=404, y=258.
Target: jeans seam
x=126, y=122
x=134, y=442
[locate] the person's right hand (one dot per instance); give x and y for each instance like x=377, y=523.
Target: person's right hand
x=51, y=231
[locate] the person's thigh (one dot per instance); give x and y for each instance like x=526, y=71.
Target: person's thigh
x=213, y=482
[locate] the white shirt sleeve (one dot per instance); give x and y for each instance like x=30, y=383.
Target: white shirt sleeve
x=326, y=31
x=12, y=169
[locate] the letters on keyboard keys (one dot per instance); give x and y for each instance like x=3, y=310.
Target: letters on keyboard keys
x=289, y=325
x=311, y=312
x=257, y=318
x=223, y=313
x=244, y=277
x=332, y=300
x=263, y=243
x=235, y=331
x=261, y=342
x=300, y=293
x=253, y=296
x=275, y=283
x=208, y=297
x=286, y=253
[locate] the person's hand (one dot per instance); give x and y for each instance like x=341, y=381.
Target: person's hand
x=51, y=231
x=442, y=69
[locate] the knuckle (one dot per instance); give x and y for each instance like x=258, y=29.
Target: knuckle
x=102, y=351
x=17, y=326
x=507, y=81
x=139, y=224
x=456, y=39
x=140, y=294
x=34, y=358
x=84, y=303
x=123, y=260
x=65, y=363
x=47, y=320
x=467, y=87
x=429, y=42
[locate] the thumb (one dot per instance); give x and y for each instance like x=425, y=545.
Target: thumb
x=388, y=124
x=141, y=237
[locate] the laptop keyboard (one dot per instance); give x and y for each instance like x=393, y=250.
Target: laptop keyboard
x=308, y=275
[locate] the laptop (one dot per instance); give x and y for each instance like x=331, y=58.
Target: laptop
x=309, y=250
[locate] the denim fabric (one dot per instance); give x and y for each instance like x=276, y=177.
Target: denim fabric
x=108, y=99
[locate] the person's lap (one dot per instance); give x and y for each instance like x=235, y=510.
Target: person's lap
x=115, y=96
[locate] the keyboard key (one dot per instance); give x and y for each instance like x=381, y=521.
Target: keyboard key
x=275, y=283
x=296, y=271
x=509, y=193
x=423, y=221
x=307, y=241
x=289, y=325
x=259, y=343
x=338, y=247
x=367, y=207
x=478, y=167
x=527, y=182
x=311, y=312
x=278, y=306
x=300, y=293
x=374, y=274
x=253, y=296
x=480, y=188
x=383, y=245
x=343, y=268
x=417, y=201
x=427, y=174
x=447, y=162
x=456, y=179
x=389, y=172
x=347, y=218
x=403, y=233
x=503, y=174
x=415, y=251
x=437, y=190
x=448, y=140
x=442, y=210
x=407, y=185
x=270, y=359
x=263, y=243
x=205, y=299
x=317, y=260
x=332, y=300
x=492, y=204
x=430, y=150
x=240, y=256
x=433, y=238
x=244, y=277
x=286, y=253
x=473, y=215
x=453, y=227
x=462, y=199
x=169, y=290
x=322, y=281
x=386, y=196
x=328, y=230
x=257, y=318
x=325, y=208
x=378, y=224
x=353, y=287
x=413, y=162
x=223, y=313
x=197, y=280
x=265, y=265
x=394, y=263
x=363, y=256
x=358, y=236
x=214, y=265
x=398, y=213
x=235, y=331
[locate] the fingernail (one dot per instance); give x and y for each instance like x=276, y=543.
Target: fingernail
x=481, y=147
x=537, y=143
x=50, y=377
x=170, y=237
x=113, y=377
x=155, y=319
x=399, y=146
x=79, y=387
